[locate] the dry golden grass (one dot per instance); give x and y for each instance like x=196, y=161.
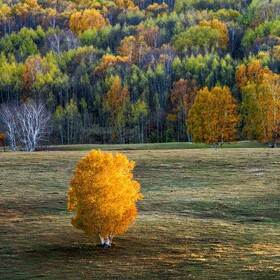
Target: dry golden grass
x=207, y=214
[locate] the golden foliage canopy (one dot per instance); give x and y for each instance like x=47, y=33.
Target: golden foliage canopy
x=133, y=48
x=108, y=61
x=87, y=19
x=115, y=102
x=103, y=194
x=260, y=108
x=222, y=31
x=213, y=116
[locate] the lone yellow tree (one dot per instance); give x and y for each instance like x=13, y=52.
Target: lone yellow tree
x=103, y=195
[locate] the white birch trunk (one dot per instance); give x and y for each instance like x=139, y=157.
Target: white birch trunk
x=106, y=242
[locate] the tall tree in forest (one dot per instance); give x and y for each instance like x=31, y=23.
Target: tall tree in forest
x=150, y=34
x=41, y=76
x=11, y=85
x=5, y=18
x=249, y=79
x=213, y=116
x=33, y=66
x=269, y=103
x=139, y=112
x=73, y=122
x=260, y=108
x=115, y=104
x=133, y=48
x=181, y=100
x=59, y=123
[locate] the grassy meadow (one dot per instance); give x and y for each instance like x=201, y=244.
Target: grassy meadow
x=206, y=214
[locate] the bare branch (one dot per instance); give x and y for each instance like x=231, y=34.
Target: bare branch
x=8, y=118
x=26, y=124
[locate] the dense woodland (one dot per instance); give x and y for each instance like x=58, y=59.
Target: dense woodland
x=137, y=71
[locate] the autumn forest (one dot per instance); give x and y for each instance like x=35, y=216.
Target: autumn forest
x=142, y=71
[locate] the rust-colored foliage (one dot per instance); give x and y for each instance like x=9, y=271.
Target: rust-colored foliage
x=115, y=102
x=2, y=139
x=182, y=95
x=133, y=48
x=181, y=100
x=103, y=194
x=108, y=61
x=213, y=116
x=150, y=34
x=87, y=19
x=32, y=67
x=116, y=98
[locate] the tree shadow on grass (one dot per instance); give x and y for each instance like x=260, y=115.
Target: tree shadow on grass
x=68, y=250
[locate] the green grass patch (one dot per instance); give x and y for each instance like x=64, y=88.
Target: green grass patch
x=206, y=214
x=149, y=146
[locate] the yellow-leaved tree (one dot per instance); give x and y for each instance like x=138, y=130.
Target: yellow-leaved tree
x=213, y=116
x=260, y=108
x=87, y=19
x=103, y=195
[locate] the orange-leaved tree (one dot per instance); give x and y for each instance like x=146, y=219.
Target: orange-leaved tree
x=182, y=97
x=103, y=195
x=2, y=140
x=133, y=48
x=213, y=116
x=115, y=103
x=87, y=19
x=108, y=61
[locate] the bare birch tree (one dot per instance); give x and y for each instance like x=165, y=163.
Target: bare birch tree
x=33, y=121
x=8, y=118
x=26, y=124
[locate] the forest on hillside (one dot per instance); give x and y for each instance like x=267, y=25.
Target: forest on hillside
x=138, y=71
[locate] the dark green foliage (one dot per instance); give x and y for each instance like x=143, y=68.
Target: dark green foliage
x=22, y=44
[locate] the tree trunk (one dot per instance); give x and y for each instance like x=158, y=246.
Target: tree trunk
x=272, y=145
x=142, y=130
x=102, y=241
x=106, y=242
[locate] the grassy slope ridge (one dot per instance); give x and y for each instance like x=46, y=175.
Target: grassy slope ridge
x=207, y=214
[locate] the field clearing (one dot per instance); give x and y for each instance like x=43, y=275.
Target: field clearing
x=206, y=214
